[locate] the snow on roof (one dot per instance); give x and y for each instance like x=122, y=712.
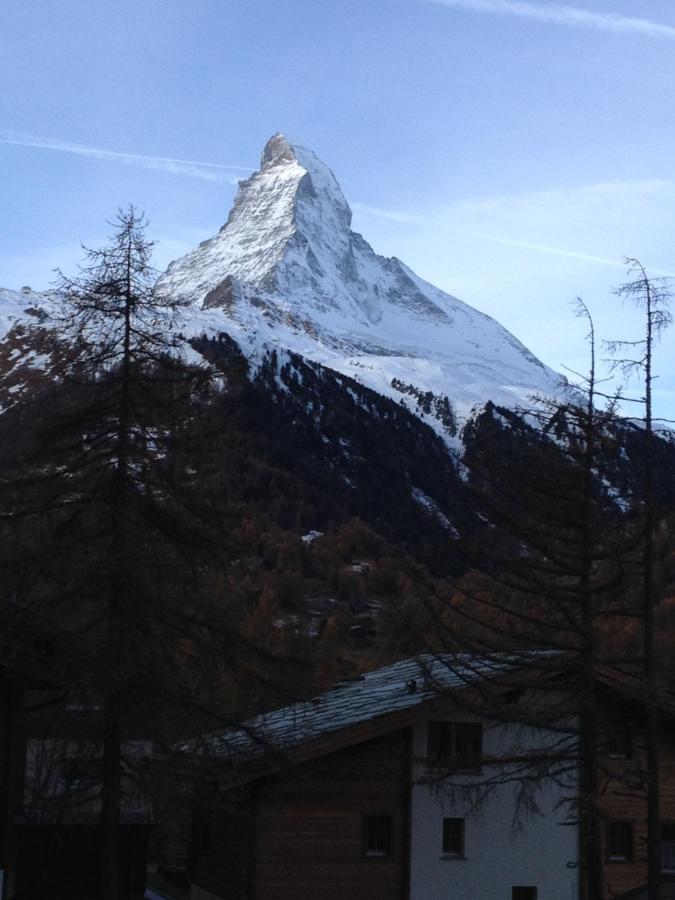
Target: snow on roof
x=367, y=697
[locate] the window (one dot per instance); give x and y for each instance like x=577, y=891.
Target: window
x=618, y=738
x=377, y=836
x=453, y=838
x=668, y=846
x=523, y=892
x=82, y=773
x=619, y=841
x=456, y=744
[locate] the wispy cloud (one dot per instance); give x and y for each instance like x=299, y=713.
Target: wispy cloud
x=570, y=16
x=391, y=215
x=562, y=252
x=510, y=220
x=189, y=168
x=546, y=248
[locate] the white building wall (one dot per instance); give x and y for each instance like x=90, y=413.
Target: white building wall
x=541, y=851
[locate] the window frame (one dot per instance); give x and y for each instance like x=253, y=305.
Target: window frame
x=618, y=734
x=444, y=741
x=629, y=825
x=454, y=854
x=82, y=772
x=367, y=819
x=524, y=887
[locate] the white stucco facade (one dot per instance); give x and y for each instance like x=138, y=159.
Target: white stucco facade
x=541, y=851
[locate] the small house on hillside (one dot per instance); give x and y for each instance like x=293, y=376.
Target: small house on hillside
x=391, y=785
x=49, y=770
x=344, y=796
x=30, y=673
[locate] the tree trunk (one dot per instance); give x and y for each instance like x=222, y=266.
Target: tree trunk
x=652, y=711
x=111, y=800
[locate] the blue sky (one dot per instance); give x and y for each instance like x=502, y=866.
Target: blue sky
x=511, y=152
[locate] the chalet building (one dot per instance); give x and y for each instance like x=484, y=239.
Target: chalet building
x=49, y=761
x=344, y=796
x=12, y=748
x=28, y=675
x=61, y=807
x=623, y=802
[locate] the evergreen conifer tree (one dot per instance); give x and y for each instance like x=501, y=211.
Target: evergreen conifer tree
x=109, y=527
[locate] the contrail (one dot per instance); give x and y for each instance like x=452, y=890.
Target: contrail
x=191, y=168
x=434, y=223
x=391, y=215
x=570, y=16
x=557, y=251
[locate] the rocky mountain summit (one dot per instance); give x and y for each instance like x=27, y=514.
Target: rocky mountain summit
x=287, y=272
x=347, y=389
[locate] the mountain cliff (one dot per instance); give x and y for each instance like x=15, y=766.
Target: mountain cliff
x=335, y=362
x=287, y=272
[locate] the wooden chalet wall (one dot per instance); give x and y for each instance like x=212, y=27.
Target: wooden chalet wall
x=223, y=838
x=298, y=835
x=623, y=801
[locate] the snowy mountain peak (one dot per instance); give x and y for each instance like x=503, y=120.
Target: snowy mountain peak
x=289, y=219
x=288, y=240
x=279, y=151
x=286, y=272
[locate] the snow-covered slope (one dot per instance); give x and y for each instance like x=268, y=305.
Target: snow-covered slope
x=16, y=306
x=287, y=272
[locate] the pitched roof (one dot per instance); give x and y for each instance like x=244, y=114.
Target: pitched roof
x=372, y=699
x=379, y=702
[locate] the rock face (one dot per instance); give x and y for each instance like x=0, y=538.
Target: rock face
x=287, y=272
